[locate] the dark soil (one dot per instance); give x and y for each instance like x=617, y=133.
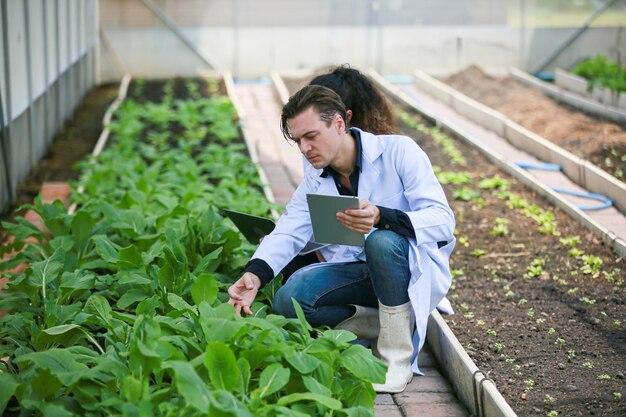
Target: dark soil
x=601, y=142
x=73, y=143
x=552, y=342
x=560, y=335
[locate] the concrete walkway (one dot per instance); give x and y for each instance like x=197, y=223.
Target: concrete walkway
x=426, y=396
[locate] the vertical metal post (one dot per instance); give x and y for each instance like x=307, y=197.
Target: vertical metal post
x=46, y=64
x=79, y=45
x=57, y=33
x=522, y=35
x=7, y=82
x=5, y=131
x=29, y=85
x=236, y=39
x=381, y=23
x=70, y=67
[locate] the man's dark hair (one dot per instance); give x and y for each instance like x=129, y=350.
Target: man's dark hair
x=371, y=112
x=323, y=99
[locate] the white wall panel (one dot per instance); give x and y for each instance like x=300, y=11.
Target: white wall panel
x=37, y=45
x=57, y=36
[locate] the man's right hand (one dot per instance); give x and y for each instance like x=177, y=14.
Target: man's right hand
x=243, y=292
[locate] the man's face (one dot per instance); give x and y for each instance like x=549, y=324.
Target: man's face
x=317, y=141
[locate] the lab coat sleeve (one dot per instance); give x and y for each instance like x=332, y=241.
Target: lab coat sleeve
x=293, y=230
x=431, y=216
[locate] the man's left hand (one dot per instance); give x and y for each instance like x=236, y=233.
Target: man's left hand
x=362, y=219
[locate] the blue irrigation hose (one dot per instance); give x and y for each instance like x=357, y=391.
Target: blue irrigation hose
x=541, y=165
x=606, y=202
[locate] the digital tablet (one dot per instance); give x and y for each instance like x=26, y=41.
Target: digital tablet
x=254, y=228
x=326, y=228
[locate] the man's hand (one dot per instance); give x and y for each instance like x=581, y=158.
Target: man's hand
x=362, y=219
x=243, y=292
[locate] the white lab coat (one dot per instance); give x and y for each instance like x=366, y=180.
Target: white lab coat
x=397, y=174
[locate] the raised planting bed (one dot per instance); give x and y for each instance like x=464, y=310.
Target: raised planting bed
x=121, y=310
x=579, y=85
x=71, y=144
x=600, y=142
x=539, y=299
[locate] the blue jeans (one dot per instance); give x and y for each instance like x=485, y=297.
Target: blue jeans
x=326, y=290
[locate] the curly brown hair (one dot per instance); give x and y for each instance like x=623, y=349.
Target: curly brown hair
x=371, y=111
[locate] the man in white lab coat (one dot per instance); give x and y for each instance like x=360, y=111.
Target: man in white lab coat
x=402, y=270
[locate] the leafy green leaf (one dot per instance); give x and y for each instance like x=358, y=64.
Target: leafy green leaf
x=179, y=304
x=106, y=249
x=81, y=226
x=302, y=361
x=220, y=360
x=223, y=403
x=310, y=396
x=210, y=262
x=59, y=362
x=204, y=289
x=360, y=361
x=131, y=297
x=130, y=258
x=272, y=379
x=190, y=385
x=9, y=386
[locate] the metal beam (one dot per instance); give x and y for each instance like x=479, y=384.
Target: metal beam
x=548, y=60
x=162, y=16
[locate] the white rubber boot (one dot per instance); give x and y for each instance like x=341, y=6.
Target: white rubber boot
x=364, y=323
x=395, y=346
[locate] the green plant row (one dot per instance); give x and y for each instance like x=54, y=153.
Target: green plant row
x=602, y=72
x=122, y=307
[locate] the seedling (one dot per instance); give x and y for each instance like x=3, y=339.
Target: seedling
x=480, y=323
x=587, y=365
x=535, y=269
x=456, y=178
x=604, y=377
x=552, y=413
x=592, y=265
x=571, y=354
x=530, y=384
x=551, y=331
x=587, y=300
x=464, y=240
x=497, y=347
x=456, y=272
x=540, y=321
x=617, y=395
x=548, y=399
x=495, y=182
x=478, y=252
x=610, y=276
x=465, y=194
x=500, y=227
x=559, y=342
x=530, y=312
x=570, y=241
x=572, y=291
x=491, y=332
x=522, y=301
x=576, y=253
